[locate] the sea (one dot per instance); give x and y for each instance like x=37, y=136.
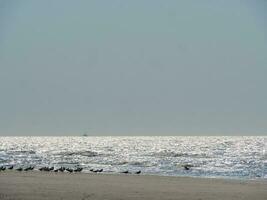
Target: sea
x=219, y=157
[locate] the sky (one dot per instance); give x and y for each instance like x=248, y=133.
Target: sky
x=143, y=67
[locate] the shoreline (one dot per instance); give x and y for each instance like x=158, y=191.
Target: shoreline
x=144, y=174
x=82, y=186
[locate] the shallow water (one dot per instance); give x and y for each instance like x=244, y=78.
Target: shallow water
x=229, y=157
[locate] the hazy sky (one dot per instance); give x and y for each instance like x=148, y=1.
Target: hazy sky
x=139, y=67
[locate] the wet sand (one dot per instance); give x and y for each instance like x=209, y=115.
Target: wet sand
x=48, y=185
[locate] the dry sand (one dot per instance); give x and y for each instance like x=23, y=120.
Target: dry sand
x=48, y=185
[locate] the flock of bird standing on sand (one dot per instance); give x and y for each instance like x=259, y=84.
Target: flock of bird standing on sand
x=61, y=169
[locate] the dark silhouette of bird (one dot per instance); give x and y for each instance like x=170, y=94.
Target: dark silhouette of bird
x=96, y=170
x=46, y=169
x=125, y=172
x=51, y=168
x=62, y=169
x=79, y=169
x=56, y=170
x=11, y=167
x=69, y=170
x=2, y=168
x=27, y=169
x=187, y=167
x=138, y=172
x=19, y=169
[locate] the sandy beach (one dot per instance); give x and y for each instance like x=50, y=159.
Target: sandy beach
x=45, y=185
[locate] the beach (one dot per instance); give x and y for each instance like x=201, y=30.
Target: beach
x=35, y=185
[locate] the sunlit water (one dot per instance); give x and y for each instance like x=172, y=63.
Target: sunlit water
x=229, y=157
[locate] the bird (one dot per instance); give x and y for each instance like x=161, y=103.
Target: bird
x=100, y=170
x=19, y=169
x=91, y=170
x=10, y=167
x=125, y=172
x=69, y=170
x=62, y=169
x=44, y=169
x=2, y=168
x=56, y=170
x=47, y=169
x=79, y=169
x=27, y=168
x=51, y=168
x=41, y=169
x=187, y=167
x=138, y=172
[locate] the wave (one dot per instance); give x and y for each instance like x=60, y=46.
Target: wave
x=175, y=154
x=79, y=153
x=21, y=152
x=67, y=163
x=133, y=163
x=141, y=163
x=120, y=163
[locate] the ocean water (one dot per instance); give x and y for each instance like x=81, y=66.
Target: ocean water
x=228, y=157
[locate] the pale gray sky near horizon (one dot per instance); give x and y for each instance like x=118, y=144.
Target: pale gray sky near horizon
x=133, y=67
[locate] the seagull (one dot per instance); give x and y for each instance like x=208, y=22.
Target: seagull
x=42, y=168
x=69, y=170
x=2, y=168
x=19, y=169
x=62, y=169
x=125, y=172
x=11, y=167
x=138, y=172
x=28, y=168
x=46, y=169
x=100, y=170
x=79, y=169
x=187, y=167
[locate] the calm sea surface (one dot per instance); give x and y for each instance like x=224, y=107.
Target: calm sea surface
x=229, y=157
